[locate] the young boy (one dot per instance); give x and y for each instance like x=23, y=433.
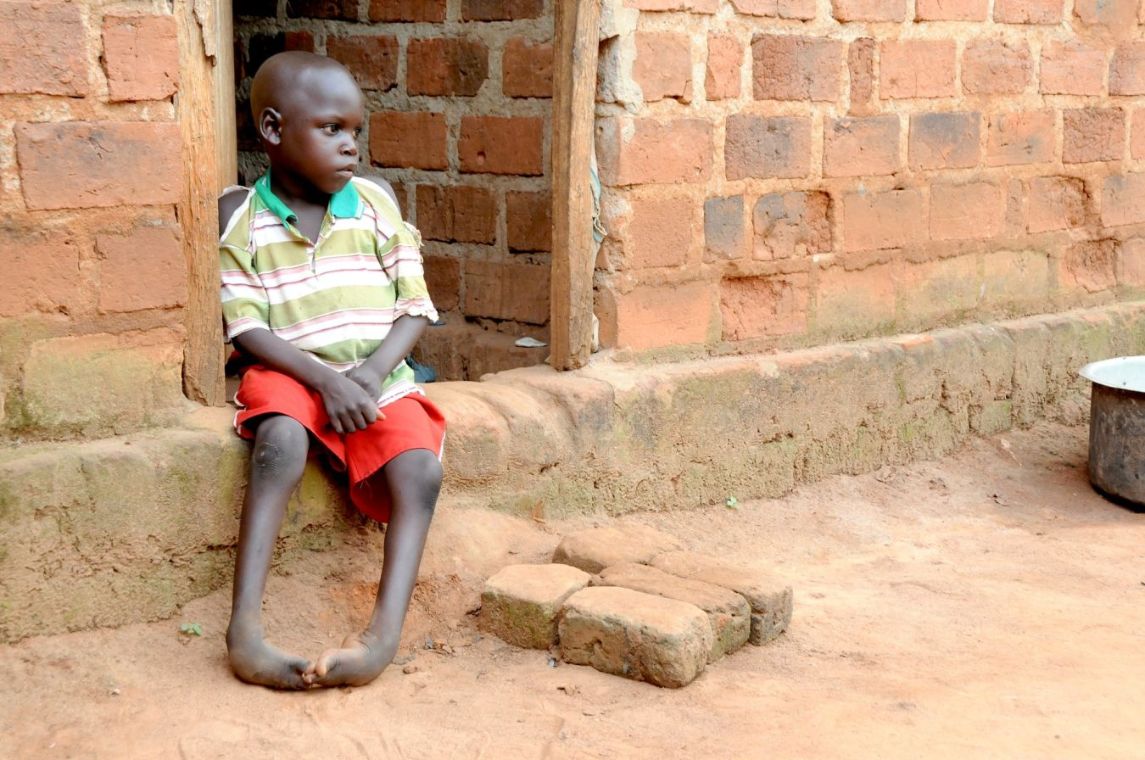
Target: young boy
x=323, y=290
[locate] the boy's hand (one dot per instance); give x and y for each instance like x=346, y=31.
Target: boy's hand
x=348, y=405
x=367, y=379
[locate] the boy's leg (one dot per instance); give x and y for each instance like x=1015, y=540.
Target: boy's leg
x=414, y=479
x=277, y=461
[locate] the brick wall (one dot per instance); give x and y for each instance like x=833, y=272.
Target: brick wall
x=791, y=172
x=95, y=279
x=458, y=94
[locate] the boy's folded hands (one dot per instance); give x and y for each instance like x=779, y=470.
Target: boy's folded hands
x=350, y=400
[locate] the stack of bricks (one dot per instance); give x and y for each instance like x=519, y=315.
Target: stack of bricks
x=95, y=287
x=630, y=602
x=458, y=93
x=782, y=173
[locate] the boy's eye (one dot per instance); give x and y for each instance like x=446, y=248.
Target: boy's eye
x=357, y=131
x=332, y=129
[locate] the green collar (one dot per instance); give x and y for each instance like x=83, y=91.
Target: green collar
x=344, y=204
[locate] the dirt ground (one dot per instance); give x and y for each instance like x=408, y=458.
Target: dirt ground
x=986, y=605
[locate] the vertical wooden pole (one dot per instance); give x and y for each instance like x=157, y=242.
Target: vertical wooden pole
x=205, y=109
x=575, y=45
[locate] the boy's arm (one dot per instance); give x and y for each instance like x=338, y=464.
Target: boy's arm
x=404, y=333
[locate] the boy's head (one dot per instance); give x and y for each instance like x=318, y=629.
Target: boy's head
x=308, y=111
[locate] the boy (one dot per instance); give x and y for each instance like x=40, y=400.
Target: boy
x=323, y=290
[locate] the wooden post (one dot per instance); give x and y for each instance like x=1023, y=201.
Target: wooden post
x=206, y=116
x=575, y=45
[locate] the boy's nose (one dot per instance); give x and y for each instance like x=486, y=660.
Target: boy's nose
x=350, y=147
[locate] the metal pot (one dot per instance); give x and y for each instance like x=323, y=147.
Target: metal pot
x=1117, y=428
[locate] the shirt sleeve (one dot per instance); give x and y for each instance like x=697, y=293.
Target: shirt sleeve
x=244, y=300
x=400, y=253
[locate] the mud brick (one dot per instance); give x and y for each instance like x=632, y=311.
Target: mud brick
x=691, y=6
x=372, y=59
x=861, y=146
x=529, y=221
x=1089, y=265
x=514, y=290
x=141, y=57
x=501, y=10
x=722, y=74
x=653, y=316
x=868, y=10
x=861, y=64
x=1131, y=263
x=450, y=66
x=1022, y=137
x=757, y=307
x=520, y=603
x=1127, y=71
x=145, y=269
x=803, y=10
x=855, y=303
x=1112, y=14
x=648, y=151
x=791, y=224
x=43, y=48
x=443, y=278
x=1137, y=134
x=724, y=237
x=891, y=219
x=1056, y=203
x=994, y=67
x=341, y=10
x=975, y=210
x=661, y=232
x=502, y=145
x=728, y=613
x=408, y=139
x=663, y=66
x=950, y=10
x=1123, y=200
x=640, y=636
x=1072, y=68
x=1028, y=11
x=527, y=69
x=792, y=67
x=766, y=147
x=770, y=599
x=944, y=140
x=41, y=271
x=917, y=68
x=1092, y=134
x=456, y=214
x=594, y=549
x=432, y=11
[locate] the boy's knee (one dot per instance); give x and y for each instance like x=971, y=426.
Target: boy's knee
x=421, y=473
x=281, y=444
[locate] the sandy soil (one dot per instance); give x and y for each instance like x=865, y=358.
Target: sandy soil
x=986, y=605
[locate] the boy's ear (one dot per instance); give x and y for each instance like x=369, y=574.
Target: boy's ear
x=270, y=126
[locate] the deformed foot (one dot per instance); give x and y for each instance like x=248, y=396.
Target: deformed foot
x=255, y=661
x=361, y=659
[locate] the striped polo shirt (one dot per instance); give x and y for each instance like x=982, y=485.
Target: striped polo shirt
x=335, y=299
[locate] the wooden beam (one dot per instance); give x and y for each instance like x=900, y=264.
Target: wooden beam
x=204, y=51
x=575, y=45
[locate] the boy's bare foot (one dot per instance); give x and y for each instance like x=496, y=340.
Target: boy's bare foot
x=255, y=661
x=361, y=659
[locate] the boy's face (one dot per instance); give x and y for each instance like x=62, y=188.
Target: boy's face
x=318, y=130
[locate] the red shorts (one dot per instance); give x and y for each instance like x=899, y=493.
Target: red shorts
x=411, y=422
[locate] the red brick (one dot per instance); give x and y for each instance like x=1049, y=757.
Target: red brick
x=917, y=69
x=1114, y=14
x=1056, y=203
x=663, y=66
x=41, y=271
x=1089, y=266
x=413, y=139
x=343, y=10
x=868, y=10
x=513, y=290
x=1023, y=137
x=661, y=232
x=993, y=67
x=446, y=66
x=725, y=60
x=791, y=67
x=861, y=65
x=966, y=212
x=890, y=219
x=1028, y=11
x=654, y=316
x=1092, y=134
x=432, y=11
x=1137, y=134
x=1072, y=68
x=861, y=146
x=929, y=291
x=443, y=279
x=1131, y=263
x=456, y=213
x=724, y=238
x=803, y=10
x=642, y=151
x=854, y=304
x=501, y=10
x=527, y=69
x=141, y=57
x=145, y=269
x=95, y=164
x=43, y=48
x=1123, y=200
x=758, y=307
x=1127, y=71
x=372, y=59
x=788, y=225
x=944, y=140
x=691, y=6
x=1015, y=277
x=502, y=145
x=529, y=221
x=951, y=10
x=763, y=147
